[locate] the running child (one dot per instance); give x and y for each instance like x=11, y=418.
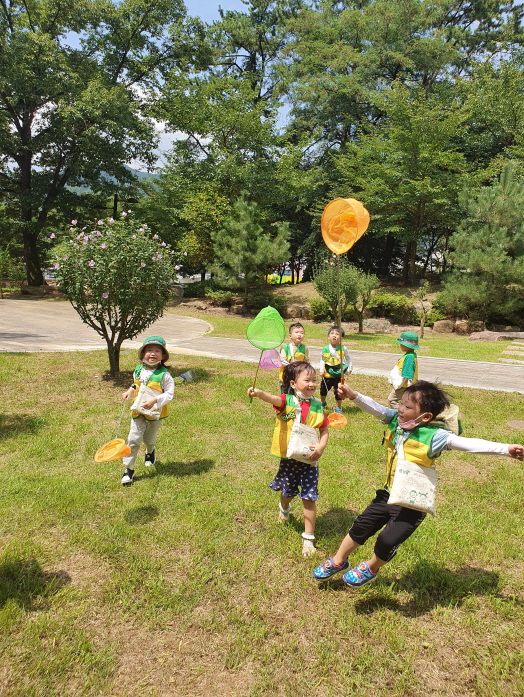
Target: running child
x=294, y=350
x=153, y=373
x=300, y=382
x=405, y=371
x=422, y=444
x=329, y=368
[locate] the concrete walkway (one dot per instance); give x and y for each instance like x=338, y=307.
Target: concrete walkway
x=28, y=325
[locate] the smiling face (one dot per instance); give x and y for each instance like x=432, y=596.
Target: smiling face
x=334, y=337
x=297, y=335
x=306, y=383
x=410, y=413
x=153, y=353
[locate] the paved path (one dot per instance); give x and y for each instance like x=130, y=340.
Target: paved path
x=28, y=325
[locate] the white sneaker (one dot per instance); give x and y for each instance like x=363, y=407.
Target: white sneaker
x=283, y=513
x=150, y=458
x=128, y=476
x=308, y=548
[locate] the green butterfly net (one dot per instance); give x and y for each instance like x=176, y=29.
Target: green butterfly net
x=266, y=331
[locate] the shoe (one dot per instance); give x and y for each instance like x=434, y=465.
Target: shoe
x=338, y=410
x=308, y=548
x=359, y=576
x=150, y=459
x=128, y=476
x=283, y=513
x=329, y=569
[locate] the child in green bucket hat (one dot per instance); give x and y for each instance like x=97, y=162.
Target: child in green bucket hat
x=405, y=371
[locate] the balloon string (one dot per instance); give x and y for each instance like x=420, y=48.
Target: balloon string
x=339, y=320
x=256, y=374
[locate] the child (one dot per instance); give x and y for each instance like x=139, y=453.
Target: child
x=153, y=373
x=406, y=370
x=293, y=351
x=330, y=366
x=423, y=443
x=301, y=378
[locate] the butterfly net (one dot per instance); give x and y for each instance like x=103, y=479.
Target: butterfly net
x=270, y=359
x=267, y=330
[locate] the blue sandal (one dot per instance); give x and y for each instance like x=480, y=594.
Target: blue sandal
x=328, y=569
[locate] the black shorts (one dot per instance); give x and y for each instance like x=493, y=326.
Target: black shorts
x=326, y=384
x=398, y=524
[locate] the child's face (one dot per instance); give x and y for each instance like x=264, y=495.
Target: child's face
x=410, y=413
x=296, y=335
x=334, y=337
x=153, y=353
x=405, y=349
x=306, y=383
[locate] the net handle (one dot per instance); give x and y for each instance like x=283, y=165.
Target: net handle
x=256, y=375
x=339, y=309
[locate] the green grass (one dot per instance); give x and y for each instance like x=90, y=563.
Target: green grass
x=436, y=345
x=185, y=583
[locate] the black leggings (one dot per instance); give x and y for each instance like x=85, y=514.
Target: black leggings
x=400, y=523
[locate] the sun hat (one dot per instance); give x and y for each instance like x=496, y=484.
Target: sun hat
x=153, y=340
x=409, y=339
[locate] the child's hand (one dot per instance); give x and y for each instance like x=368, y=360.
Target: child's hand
x=128, y=393
x=252, y=392
x=345, y=392
x=148, y=403
x=316, y=452
x=516, y=451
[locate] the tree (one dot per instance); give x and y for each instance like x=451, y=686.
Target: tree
x=243, y=250
x=365, y=284
x=74, y=116
x=117, y=277
x=334, y=280
x=488, y=257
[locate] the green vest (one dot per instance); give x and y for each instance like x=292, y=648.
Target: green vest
x=286, y=355
x=416, y=447
x=285, y=420
x=155, y=383
x=332, y=362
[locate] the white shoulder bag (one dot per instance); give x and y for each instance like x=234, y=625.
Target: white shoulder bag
x=413, y=486
x=302, y=439
x=144, y=392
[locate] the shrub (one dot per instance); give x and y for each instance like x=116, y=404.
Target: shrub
x=434, y=315
x=397, y=308
x=319, y=310
x=219, y=298
x=261, y=299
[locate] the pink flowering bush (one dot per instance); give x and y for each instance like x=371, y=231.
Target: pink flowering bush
x=118, y=279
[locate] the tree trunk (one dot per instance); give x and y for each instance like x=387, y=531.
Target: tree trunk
x=409, y=268
x=113, y=352
x=34, y=273
x=385, y=258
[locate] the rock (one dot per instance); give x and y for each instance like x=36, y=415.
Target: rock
x=444, y=326
x=495, y=336
x=177, y=293
x=237, y=308
x=462, y=326
x=194, y=305
x=295, y=311
x=35, y=291
x=504, y=328
x=377, y=325
x=477, y=326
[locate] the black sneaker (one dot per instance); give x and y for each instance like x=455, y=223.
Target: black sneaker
x=128, y=476
x=150, y=459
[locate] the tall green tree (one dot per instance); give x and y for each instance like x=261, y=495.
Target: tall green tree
x=74, y=113
x=244, y=250
x=488, y=258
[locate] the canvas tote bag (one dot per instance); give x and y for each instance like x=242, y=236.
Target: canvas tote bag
x=301, y=438
x=413, y=486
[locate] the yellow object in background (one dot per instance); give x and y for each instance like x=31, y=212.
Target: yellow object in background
x=344, y=221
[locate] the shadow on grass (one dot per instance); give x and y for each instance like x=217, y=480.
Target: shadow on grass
x=336, y=521
x=14, y=424
x=429, y=585
x=141, y=515
x=23, y=581
x=177, y=469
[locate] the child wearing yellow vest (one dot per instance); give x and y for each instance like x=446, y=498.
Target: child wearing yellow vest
x=294, y=350
x=422, y=444
x=300, y=382
x=405, y=372
x=151, y=372
x=329, y=368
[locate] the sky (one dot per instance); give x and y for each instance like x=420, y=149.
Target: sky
x=208, y=9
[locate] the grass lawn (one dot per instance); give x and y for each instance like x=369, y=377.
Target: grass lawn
x=436, y=345
x=185, y=584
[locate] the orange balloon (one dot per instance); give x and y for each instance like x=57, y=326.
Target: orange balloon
x=344, y=221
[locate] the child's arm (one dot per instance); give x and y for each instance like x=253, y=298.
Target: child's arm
x=273, y=399
x=366, y=403
x=321, y=366
x=316, y=453
x=348, y=361
x=283, y=357
x=306, y=354
x=484, y=447
x=408, y=367
x=129, y=393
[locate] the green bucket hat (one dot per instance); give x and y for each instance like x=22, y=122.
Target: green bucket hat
x=153, y=340
x=409, y=339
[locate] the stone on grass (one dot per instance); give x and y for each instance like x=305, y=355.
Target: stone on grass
x=444, y=326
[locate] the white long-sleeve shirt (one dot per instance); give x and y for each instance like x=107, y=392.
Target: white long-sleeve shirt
x=442, y=440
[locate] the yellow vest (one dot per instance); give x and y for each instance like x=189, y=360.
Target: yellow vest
x=155, y=383
x=285, y=420
x=416, y=448
x=301, y=354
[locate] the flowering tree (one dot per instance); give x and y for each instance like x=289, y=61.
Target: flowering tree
x=117, y=277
